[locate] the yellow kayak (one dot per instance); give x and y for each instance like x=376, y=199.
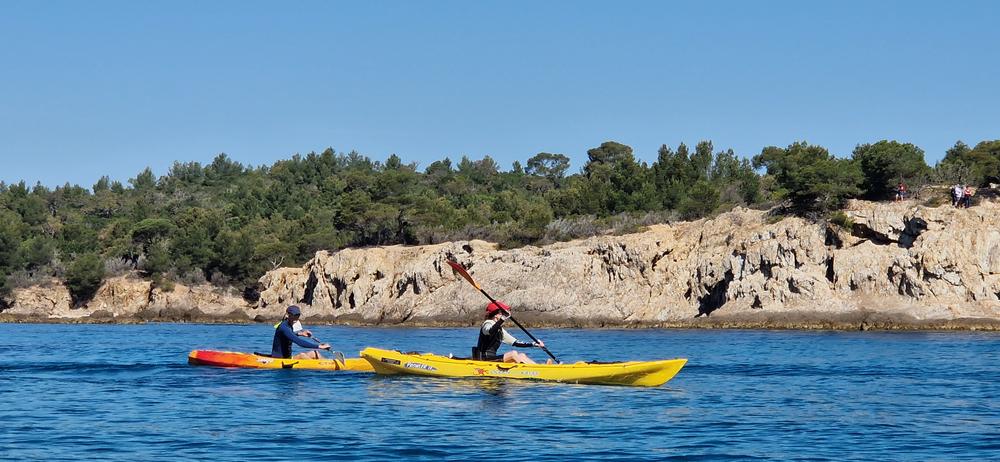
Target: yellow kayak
x=633, y=373
x=236, y=359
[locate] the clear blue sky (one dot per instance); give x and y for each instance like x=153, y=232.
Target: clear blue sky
x=109, y=87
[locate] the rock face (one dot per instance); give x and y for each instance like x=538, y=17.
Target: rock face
x=129, y=297
x=899, y=261
x=51, y=299
x=900, y=258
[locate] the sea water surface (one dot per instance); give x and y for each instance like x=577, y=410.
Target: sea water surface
x=126, y=392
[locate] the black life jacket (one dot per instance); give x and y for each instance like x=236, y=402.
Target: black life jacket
x=489, y=344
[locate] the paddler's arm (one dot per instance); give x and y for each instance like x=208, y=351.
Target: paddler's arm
x=304, y=342
x=514, y=342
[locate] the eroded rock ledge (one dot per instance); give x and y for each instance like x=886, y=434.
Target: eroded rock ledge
x=900, y=265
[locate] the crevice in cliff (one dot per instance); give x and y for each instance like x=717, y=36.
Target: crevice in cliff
x=716, y=296
x=864, y=232
x=406, y=317
x=765, y=269
x=406, y=282
x=914, y=227
x=830, y=274
x=833, y=238
x=656, y=259
x=251, y=294
x=309, y=294
x=340, y=285
x=350, y=300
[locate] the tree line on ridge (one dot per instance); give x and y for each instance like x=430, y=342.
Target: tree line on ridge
x=227, y=224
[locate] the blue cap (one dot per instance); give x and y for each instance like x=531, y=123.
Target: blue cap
x=293, y=310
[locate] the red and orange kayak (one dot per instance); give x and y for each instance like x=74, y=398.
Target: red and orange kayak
x=250, y=360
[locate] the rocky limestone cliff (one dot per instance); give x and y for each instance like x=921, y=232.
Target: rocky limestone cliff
x=899, y=262
x=902, y=259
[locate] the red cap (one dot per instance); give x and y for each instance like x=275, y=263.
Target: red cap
x=493, y=306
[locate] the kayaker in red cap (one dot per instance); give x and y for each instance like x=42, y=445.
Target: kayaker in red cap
x=284, y=335
x=492, y=334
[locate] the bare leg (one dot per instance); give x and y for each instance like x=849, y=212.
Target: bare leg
x=525, y=359
x=314, y=354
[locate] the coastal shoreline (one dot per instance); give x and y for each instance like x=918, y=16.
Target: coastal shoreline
x=898, y=266
x=854, y=321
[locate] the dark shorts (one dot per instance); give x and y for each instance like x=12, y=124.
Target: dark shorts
x=491, y=357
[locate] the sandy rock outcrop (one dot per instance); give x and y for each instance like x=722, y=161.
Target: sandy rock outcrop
x=50, y=299
x=130, y=297
x=200, y=300
x=122, y=296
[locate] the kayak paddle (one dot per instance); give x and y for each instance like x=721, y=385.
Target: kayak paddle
x=465, y=274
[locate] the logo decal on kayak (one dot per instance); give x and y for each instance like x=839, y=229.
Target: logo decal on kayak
x=390, y=361
x=419, y=366
x=499, y=371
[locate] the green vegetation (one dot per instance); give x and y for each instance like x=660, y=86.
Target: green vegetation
x=811, y=178
x=841, y=219
x=84, y=277
x=227, y=224
x=887, y=163
x=978, y=166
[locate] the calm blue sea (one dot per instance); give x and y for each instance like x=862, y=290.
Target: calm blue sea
x=125, y=392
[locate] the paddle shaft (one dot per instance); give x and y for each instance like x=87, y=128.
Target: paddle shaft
x=468, y=277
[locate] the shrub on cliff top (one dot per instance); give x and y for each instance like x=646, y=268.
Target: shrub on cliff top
x=84, y=277
x=841, y=219
x=812, y=179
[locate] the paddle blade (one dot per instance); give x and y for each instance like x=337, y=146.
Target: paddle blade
x=465, y=274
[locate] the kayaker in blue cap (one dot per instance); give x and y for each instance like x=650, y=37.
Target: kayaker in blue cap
x=285, y=334
x=492, y=335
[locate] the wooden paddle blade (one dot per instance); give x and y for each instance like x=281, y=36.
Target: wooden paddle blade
x=465, y=274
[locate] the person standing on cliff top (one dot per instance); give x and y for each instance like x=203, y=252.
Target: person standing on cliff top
x=967, y=196
x=492, y=335
x=285, y=335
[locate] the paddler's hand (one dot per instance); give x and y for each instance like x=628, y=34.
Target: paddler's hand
x=324, y=346
x=540, y=344
x=305, y=333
